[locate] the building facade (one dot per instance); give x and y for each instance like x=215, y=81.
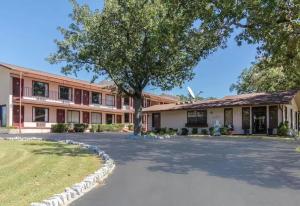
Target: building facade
x=256, y=113
x=33, y=100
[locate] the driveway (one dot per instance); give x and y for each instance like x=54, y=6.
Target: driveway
x=190, y=172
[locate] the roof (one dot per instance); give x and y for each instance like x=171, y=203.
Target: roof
x=104, y=85
x=252, y=99
x=42, y=73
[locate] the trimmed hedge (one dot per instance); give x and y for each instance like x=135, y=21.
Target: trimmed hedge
x=204, y=131
x=110, y=127
x=80, y=127
x=59, y=128
x=184, y=131
x=195, y=131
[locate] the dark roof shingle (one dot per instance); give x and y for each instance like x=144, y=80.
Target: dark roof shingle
x=283, y=97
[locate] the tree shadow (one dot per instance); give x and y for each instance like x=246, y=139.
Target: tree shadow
x=265, y=163
x=59, y=149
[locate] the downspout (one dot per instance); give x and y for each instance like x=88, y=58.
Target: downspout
x=20, y=103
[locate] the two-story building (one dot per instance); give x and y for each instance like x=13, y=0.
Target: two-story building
x=33, y=100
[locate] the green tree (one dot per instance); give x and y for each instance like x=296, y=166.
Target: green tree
x=275, y=26
x=140, y=43
x=258, y=79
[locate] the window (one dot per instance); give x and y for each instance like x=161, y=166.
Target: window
x=197, y=118
x=40, y=114
x=109, y=118
x=126, y=101
x=228, y=117
x=246, y=118
x=40, y=89
x=73, y=117
x=126, y=118
x=96, y=118
x=148, y=104
x=273, y=117
x=110, y=100
x=96, y=98
x=65, y=93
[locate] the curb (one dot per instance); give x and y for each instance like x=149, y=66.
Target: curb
x=74, y=192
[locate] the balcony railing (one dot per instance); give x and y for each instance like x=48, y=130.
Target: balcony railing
x=54, y=96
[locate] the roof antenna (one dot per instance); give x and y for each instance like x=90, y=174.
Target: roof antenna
x=191, y=94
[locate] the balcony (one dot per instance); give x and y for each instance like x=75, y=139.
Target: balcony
x=49, y=96
x=53, y=97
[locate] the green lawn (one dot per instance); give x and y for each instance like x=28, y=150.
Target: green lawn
x=298, y=149
x=35, y=170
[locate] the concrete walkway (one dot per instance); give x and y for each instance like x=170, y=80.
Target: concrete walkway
x=190, y=172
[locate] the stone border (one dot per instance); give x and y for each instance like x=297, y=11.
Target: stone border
x=79, y=189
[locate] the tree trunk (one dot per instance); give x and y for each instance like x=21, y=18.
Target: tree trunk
x=138, y=114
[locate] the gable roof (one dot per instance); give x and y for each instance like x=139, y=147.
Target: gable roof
x=252, y=99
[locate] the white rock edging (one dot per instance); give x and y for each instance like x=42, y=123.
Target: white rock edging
x=77, y=190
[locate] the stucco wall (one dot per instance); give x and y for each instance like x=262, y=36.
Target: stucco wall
x=5, y=91
x=294, y=107
x=178, y=119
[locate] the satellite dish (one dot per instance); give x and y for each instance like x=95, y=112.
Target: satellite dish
x=191, y=92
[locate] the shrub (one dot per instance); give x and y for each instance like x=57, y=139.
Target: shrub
x=59, y=128
x=130, y=127
x=283, y=129
x=172, y=131
x=110, y=127
x=204, y=131
x=211, y=130
x=184, y=131
x=94, y=128
x=224, y=131
x=80, y=127
x=195, y=131
x=163, y=130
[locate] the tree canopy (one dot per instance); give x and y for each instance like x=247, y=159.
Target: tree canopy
x=275, y=26
x=258, y=79
x=140, y=43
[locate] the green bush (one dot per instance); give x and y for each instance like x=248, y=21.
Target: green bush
x=195, y=131
x=204, y=131
x=283, y=129
x=224, y=131
x=211, y=130
x=59, y=128
x=130, y=127
x=110, y=127
x=80, y=127
x=172, y=131
x=184, y=131
x=94, y=128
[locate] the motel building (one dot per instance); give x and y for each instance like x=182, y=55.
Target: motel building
x=31, y=101
x=255, y=113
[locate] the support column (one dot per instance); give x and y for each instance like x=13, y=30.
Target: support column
x=103, y=120
x=268, y=123
x=10, y=112
x=250, y=132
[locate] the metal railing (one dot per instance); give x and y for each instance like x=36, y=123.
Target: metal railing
x=54, y=95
